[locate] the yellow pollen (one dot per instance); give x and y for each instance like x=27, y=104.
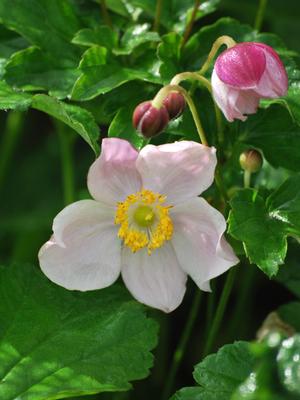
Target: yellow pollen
x=144, y=221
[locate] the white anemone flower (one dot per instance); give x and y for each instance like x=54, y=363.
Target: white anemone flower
x=146, y=222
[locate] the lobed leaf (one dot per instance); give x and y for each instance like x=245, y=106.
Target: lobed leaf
x=56, y=343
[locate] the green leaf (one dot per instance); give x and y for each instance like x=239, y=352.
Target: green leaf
x=31, y=69
x=293, y=100
x=101, y=74
x=218, y=375
x=79, y=119
x=56, y=343
x=284, y=204
x=10, y=43
x=48, y=24
x=263, y=235
x=13, y=99
x=169, y=52
x=289, y=364
x=101, y=36
x=121, y=126
x=263, y=382
x=289, y=274
x=176, y=14
x=199, y=45
x=134, y=37
x=274, y=132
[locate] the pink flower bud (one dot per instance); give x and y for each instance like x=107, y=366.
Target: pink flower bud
x=175, y=104
x=245, y=73
x=148, y=120
x=251, y=160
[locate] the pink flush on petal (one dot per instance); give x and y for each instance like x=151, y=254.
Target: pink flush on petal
x=241, y=66
x=245, y=73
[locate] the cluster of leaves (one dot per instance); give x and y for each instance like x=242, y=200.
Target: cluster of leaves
x=66, y=59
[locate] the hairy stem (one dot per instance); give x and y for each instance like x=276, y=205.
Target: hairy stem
x=160, y=96
x=227, y=40
x=247, y=178
x=12, y=132
x=220, y=311
x=158, y=9
x=181, y=348
x=105, y=13
x=259, y=18
x=190, y=25
x=190, y=75
x=66, y=154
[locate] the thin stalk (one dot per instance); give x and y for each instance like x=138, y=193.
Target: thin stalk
x=220, y=127
x=220, y=184
x=205, y=82
x=244, y=298
x=247, y=178
x=190, y=25
x=66, y=154
x=227, y=40
x=158, y=9
x=158, y=102
x=190, y=75
x=181, y=348
x=260, y=14
x=220, y=311
x=12, y=132
x=105, y=13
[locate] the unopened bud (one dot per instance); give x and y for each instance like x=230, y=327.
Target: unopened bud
x=148, y=120
x=175, y=104
x=251, y=160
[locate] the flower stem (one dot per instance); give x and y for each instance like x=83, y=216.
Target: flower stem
x=244, y=299
x=189, y=26
x=160, y=96
x=181, y=348
x=220, y=311
x=220, y=128
x=247, y=178
x=105, y=13
x=66, y=155
x=220, y=184
x=13, y=130
x=227, y=40
x=157, y=15
x=196, y=76
x=190, y=75
x=260, y=14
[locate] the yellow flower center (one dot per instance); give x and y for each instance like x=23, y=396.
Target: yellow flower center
x=144, y=221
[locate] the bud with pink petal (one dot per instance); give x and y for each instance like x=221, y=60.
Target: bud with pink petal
x=245, y=73
x=149, y=120
x=175, y=104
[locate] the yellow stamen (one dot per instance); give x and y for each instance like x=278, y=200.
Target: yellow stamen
x=144, y=221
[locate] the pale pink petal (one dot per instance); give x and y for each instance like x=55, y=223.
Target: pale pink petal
x=247, y=102
x=198, y=241
x=234, y=103
x=274, y=81
x=226, y=98
x=113, y=176
x=156, y=279
x=84, y=252
x=241, y=66
x=179, y=170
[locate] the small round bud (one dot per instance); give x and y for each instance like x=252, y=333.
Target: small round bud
x=175, y=104
x=251, y=160
x=148, y=120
